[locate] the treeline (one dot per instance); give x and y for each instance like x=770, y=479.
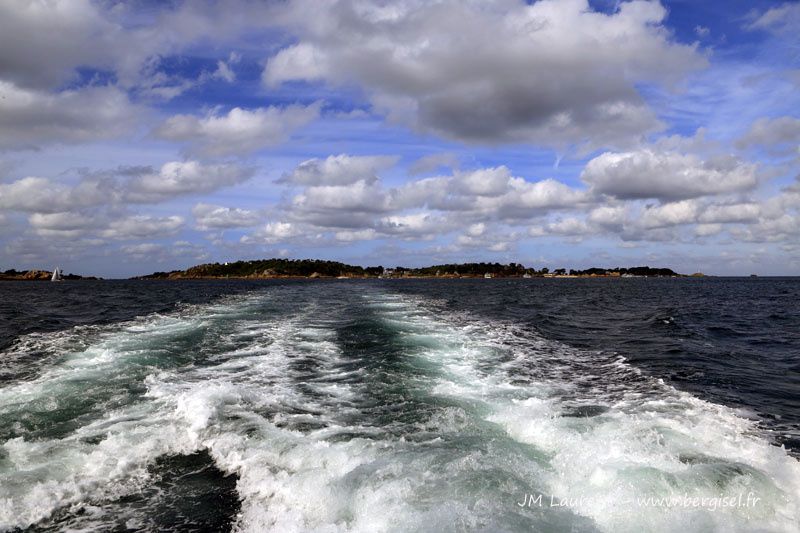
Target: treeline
x=470, y=269
x=634, y=271
x=269, y=268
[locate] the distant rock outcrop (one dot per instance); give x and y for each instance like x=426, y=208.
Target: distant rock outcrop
x=35, y=275
x=315, y=268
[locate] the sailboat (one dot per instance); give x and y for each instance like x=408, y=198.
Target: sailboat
x=56, y=275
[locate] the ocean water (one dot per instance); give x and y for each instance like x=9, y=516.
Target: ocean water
x=622, y=405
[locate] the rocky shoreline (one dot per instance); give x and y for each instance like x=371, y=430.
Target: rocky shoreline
x=38, y=275
x=318, y=269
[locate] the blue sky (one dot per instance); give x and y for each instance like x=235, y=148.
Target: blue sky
x=143, y=136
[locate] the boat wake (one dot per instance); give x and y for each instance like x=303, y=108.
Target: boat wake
x=372, y=411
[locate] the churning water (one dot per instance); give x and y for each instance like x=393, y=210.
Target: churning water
x=457, y=405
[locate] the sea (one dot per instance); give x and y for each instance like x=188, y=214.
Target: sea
x=498, y=405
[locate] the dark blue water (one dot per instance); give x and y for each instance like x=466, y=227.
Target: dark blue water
x=414, y=405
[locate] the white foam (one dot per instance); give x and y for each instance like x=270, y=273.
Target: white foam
x=277, y=403
x=653, y=441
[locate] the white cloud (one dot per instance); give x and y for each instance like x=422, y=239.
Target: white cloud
x=783, y=18
x=178, y=178
x=340, y=206
x=570, y=227
x=491, y=239
x=42, y=42
x=488, y=192
x=340, y=169
x=359, y=235
x=785, y=227
x=240, y=131
x=64, y=225
x=120, y=186
x=421, y=225
x=483, y=182
x=30, y=118
x=143, y=250
x=60, y=220
x=218, y=217
x=666, y=175
x=353, y=198
x=272, y=233
x=33, y=194
x=608, y=217
x=433, y=162
x=525, y=198
x=552, y=72
x=143, y=226
x=702, y=31
x=300, y=61
x=476, y=230
x=224, y=68
x=780, y=136
x=671, y=214
x=708, y=230
x=731, y=213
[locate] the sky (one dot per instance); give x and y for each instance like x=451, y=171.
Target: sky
x=146, y=136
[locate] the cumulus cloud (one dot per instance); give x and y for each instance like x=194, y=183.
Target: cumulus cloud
x=488, y=192
x=120, y=186
x=63, y=225
x=670, y=214
x=143, y=250
x=217, y=217
x=358, y=235
x=343, y=206
x=273, y=232
x=483, y=182
x=485, y=193
x=570, y=227
x=178, y=178
x=680, y=220
x=666, y=175
x=779, y=136
x=33, y=194
x=552, y=72
x=433, y=162
x=42, y=42
x=610, y=218
x=421, y=225
x=238, y=132
x=338, y=170
x=143, y=226
x=731, y=213
x=343, y=196
x=68, y=66
x=483, y=237
x=30, y=118
x=99, y=35
x=785, y=227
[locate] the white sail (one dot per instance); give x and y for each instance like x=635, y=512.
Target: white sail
x=56, y=275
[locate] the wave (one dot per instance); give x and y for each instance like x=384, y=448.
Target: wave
x=371, y=411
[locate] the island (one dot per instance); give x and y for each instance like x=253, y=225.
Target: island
x=38, y=275
x=316, y=268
